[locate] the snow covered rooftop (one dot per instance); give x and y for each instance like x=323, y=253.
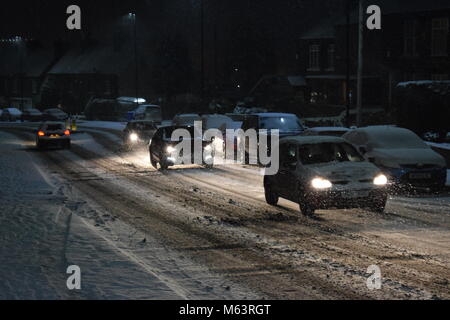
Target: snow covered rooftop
x=34, y=62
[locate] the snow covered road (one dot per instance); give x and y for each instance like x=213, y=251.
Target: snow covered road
x=41, y=235
x=209, y=233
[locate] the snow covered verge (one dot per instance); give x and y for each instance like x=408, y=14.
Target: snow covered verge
x=47, y=226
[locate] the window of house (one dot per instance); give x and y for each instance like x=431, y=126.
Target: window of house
x=314, y=57
x=439, y=37
x=331, y=54
x=410, y=38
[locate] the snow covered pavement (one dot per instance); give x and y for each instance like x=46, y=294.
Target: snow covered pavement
x=40, y=237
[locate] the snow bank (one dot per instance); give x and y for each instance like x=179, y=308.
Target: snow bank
x=119, y=126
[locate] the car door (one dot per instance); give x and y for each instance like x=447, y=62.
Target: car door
x=286, y=177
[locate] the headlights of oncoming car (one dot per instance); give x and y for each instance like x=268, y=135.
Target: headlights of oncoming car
x=380, y=180
x=134, y=137
x=320, y=183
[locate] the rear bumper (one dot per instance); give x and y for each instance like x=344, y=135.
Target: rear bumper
x=48, y=140
x=345, y=199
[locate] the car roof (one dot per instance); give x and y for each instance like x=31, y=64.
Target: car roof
x=277, y=115
x=321, y=129
x=311, y=139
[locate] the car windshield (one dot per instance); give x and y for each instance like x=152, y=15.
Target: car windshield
x=328, y=152
x=193, y=133
x=281, y=123
x=54, y=127
x=396, y=140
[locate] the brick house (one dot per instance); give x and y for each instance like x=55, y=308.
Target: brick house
x=412, y=45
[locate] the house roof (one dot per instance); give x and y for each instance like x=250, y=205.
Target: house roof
x=34, y=62
x=95, y=59
x=325, y=29
x=389, y=7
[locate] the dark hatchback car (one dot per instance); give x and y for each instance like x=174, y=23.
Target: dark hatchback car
x=325, y=172
x=138, y=133
x=32, y=115
x=53, y=134
x=55, y=115
x=164, y=152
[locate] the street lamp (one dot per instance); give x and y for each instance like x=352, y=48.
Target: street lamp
x=132, y=16
x=19, y=42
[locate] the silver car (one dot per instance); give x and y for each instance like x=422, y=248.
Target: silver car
x=325, y=172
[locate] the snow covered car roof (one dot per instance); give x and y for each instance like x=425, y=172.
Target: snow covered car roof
x=312, y=139
x=13, y=111
x=322, y=129
x=275, y=115
x=392, y=137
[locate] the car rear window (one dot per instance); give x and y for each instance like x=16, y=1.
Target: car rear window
x=54, y=127
x=328, y=152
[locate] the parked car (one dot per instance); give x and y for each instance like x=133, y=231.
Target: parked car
x=405, y=158
x=51, y=134
x=325, y=172
x=286, y=124
x=149, y=113
x=32, y=115
x=55, y=114
x=163, y=151
x=186, y=119
x=138, y=133
x=11, y=114
x=111, y=109
x=326, y=131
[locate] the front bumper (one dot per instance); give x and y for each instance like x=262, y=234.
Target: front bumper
x=345, y=199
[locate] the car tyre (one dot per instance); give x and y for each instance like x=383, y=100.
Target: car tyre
x=307, y=209
x=378, y=205
x=154, y=163
x=68, y=144
x=271, y=197
x=164, y=165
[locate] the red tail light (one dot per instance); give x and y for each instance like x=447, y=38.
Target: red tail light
x=41, y=133
x=67, y=132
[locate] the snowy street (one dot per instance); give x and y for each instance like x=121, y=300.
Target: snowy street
x=196, y=233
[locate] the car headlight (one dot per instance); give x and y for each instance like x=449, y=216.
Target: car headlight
x=320, y=183
x=170, y=149
x=134, y=137
x=380, y=180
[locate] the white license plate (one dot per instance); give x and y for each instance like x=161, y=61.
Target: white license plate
x=418, y=176
x=355, y=194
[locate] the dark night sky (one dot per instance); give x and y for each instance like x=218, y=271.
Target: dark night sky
x=45, y=19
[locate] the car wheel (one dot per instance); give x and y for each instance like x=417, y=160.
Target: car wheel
x=68, y=145
x=306, y=208
x=271, y=197
x=164, y=166
x=39, y=145
x=378, y=205
x=154, y=163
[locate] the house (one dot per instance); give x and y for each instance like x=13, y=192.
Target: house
x=22, y=76
x=413, y=44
